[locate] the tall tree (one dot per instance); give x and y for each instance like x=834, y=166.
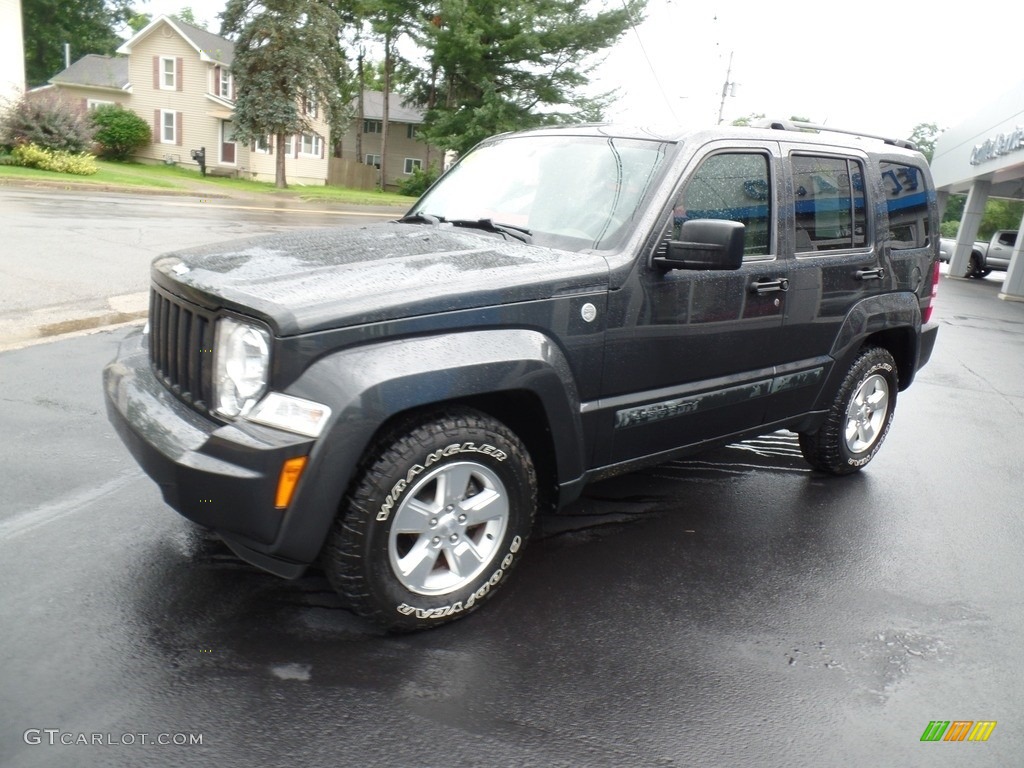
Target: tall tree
x=88, y=26
x=510, y=64
x=285, y=51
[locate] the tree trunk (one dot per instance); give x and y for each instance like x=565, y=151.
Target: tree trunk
x=279, y=177
x=360, y=113
x=384, y=119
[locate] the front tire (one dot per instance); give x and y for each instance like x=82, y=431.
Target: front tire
x=859, y=418
x=434, y=523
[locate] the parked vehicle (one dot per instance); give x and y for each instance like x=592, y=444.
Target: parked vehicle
x=986, y=256
x=396, y=402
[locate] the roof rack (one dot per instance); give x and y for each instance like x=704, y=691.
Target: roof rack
x=799, y=125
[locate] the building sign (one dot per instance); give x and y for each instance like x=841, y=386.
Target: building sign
x=997, y=146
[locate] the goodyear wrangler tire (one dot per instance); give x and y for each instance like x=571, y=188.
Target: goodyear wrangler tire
x=859, y=418
x=432, y=526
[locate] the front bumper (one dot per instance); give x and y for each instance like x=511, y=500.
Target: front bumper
x=223, y=476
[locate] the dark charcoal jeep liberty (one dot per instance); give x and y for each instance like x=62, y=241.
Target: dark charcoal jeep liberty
x=396, y=401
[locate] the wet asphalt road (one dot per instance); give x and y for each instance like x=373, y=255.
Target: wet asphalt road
x=734, y=609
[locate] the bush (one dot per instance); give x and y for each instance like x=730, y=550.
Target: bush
x=417, y=184
x=31, y=156
x=119, y=131
x=48, y=122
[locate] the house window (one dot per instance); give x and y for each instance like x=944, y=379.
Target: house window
x=412, y=163
x=263, y=145
x=410, y=131
x=91, y=104
x=373, y=160
x=312, y=145
x=225, y=83
x=168, y=73
x=371, y=126
x=288, y=145
x=310, y=105
x=168, y=126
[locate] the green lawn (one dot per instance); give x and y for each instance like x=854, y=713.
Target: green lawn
x=172, y=178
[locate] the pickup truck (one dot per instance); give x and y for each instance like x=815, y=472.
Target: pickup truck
x=986, y=257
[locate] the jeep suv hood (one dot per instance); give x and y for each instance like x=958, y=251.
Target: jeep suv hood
x=321, y=279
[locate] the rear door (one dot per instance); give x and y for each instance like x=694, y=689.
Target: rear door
x=837, y=262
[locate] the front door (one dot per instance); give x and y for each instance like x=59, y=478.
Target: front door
x=227, y=142
x=692, y=354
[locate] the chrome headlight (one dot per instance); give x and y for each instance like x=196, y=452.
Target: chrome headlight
x=240, y=366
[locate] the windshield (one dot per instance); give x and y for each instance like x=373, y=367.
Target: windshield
x=570, y=192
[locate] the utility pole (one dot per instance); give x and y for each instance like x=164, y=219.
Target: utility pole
x=728, y=89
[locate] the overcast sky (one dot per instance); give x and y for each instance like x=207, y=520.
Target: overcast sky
x=879, y=66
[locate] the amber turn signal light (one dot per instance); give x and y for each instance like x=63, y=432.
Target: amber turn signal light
x=291, y=471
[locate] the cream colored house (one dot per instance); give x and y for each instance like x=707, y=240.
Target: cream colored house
x=405, y=151
x=12, y=52
x=177, y=77
x=181, y=83
x=92, y=81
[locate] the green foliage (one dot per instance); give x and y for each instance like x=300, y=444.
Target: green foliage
x=924, y=137
x=509, y=65
x=47, y=122
x=284, y=50
x=999, y=214
x=90, y=26
x=417, y=183
x=119, y=131
x=31, y=156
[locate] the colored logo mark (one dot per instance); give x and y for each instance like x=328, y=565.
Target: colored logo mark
x=958, y=730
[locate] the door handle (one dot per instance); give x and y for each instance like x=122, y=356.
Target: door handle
x=871, y=274
x=761, y=287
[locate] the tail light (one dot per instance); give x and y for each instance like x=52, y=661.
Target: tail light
x=926, y=310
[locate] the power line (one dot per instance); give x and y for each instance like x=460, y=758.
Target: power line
x=647, y=58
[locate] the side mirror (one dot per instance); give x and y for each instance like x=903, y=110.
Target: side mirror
x=706, y=244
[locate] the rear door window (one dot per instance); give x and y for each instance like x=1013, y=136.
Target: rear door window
x=906, y=200
x=829, y=197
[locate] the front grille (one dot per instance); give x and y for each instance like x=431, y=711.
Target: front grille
x=181, y=347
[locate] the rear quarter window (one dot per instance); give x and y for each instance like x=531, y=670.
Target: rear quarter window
x=906, y=199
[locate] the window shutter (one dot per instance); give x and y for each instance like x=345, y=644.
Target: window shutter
x=177, y=127
x=157, y=134
x=232, y=87
x=179, y=70
x=322, y=143
x=156, y=71
x=216, y=82
x=297, y=141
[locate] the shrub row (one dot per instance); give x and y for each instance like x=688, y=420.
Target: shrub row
x=59, y=160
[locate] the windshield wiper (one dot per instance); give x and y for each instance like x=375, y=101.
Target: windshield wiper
x=488, y=225
x=420, y=218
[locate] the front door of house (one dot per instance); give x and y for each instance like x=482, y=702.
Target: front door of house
x=227, y=142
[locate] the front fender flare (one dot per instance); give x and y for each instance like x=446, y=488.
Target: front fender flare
x=369, y=385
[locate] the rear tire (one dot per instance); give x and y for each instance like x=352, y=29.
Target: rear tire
x=859, y=418
x=434, y=523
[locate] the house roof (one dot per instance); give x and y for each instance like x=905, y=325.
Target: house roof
x=373, y=108
x=95, y=71
x=210, y=47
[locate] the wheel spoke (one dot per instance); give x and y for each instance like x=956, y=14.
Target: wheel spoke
x=463, y=558
x=485, y=506
x=413, y=517
x=453, y=484
x=417, y=566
